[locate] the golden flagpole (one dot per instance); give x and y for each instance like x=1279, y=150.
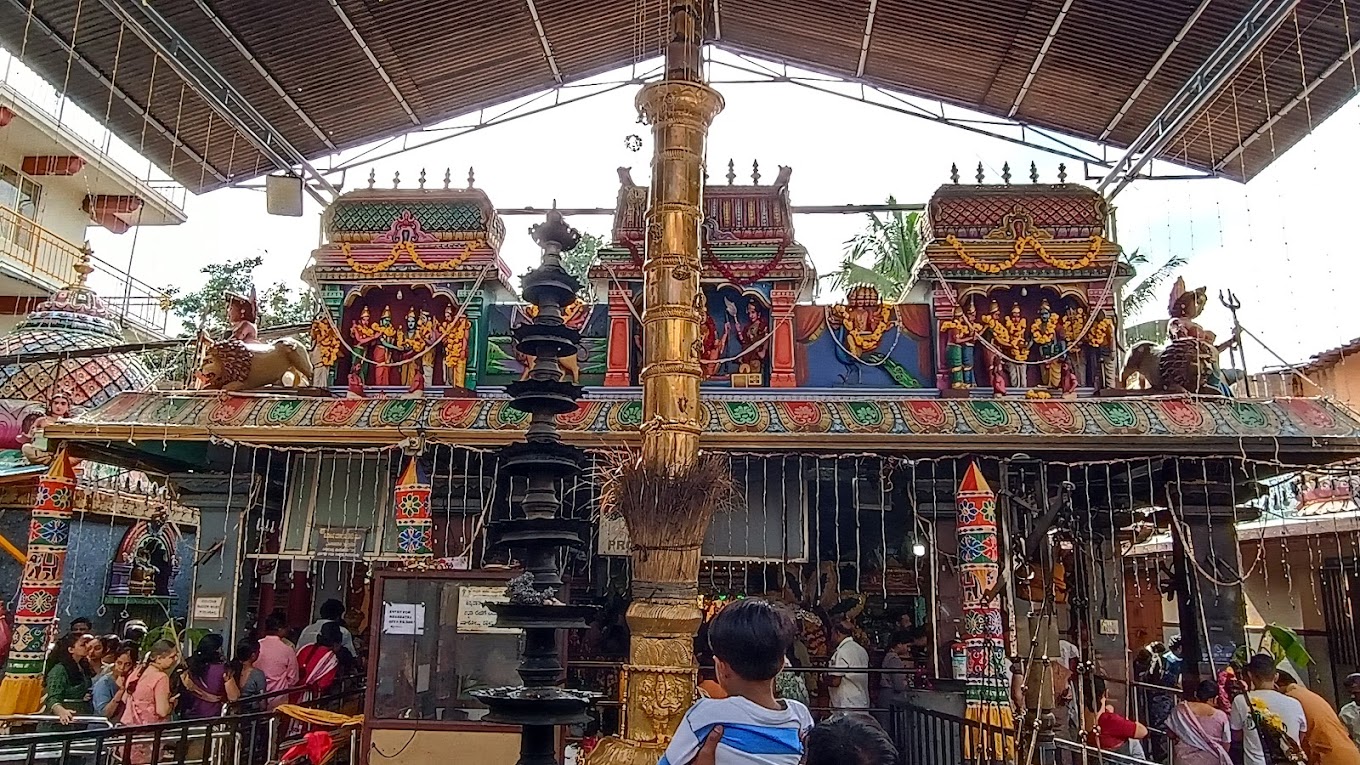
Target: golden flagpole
x=664, y=615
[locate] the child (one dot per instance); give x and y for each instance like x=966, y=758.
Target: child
x=749, y=640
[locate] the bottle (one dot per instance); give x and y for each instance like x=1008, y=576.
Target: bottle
x=958, y=656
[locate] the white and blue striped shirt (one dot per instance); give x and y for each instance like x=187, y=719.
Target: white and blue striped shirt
x=752, y=734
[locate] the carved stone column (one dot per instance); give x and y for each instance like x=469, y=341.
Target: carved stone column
x=664, y=616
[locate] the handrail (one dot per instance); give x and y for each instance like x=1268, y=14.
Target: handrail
x=52, y=259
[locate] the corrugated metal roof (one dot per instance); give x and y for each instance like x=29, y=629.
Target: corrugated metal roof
x=447, y=59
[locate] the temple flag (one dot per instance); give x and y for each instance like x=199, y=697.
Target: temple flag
x=411, y=498
x=36, y=614
x=988, y=687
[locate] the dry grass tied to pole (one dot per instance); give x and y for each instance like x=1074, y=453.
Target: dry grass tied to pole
x=667, y=508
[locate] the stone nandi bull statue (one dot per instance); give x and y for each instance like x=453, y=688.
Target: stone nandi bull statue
x=1188, y=363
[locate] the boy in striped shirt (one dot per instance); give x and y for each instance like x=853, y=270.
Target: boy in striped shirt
x=749, y=640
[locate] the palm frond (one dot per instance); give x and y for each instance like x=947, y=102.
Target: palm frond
x=1150, y=286
x=852, y=275
x=891, y=245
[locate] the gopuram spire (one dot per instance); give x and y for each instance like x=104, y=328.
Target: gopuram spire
x=664, y=614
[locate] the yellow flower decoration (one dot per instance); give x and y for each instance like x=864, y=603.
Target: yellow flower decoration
x=1071, y=265
x=447, y=265
x=372, y=268
x=982, y=266
x=1045, y=331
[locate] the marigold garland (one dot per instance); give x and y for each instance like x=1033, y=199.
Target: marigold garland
x=371, y=268
x=447, y=265
x=1044, y=331
x=1021, y=245
x=980, y=265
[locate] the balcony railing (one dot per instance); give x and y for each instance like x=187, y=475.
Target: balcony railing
x=49, y=261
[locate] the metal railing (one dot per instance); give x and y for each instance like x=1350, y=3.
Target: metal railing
x=236, y=739
x=49, y=259
x=928, y=737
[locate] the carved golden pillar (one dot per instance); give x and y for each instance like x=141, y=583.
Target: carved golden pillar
x=664, y=616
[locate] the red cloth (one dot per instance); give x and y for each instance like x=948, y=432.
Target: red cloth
x=315, y=746
x=1115, y=731
x=317, y=666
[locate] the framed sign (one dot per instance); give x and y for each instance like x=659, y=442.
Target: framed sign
x=340, y=543
x=473, y=614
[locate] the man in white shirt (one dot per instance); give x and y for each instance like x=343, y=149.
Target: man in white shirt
x=1261, y=676
x=331, y=611
x=849, y=690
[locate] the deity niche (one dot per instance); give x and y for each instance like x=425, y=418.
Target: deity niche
x=404, y=337
x=1037, y=338
x=146, y=561
x=872, y=341
x=734, y=336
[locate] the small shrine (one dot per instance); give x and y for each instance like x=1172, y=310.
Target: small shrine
x=407, y=275
x=1023, y=282
x=754, y=274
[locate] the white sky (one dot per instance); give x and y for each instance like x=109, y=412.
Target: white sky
x=1284, y=243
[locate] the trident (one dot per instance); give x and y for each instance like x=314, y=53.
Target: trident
x=1231, y=303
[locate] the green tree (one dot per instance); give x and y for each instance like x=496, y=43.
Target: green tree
x=206, y=307
x=578, y=260
x=1144, y=292
x=892, y=244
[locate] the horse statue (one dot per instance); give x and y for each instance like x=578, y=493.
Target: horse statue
x=233, y=365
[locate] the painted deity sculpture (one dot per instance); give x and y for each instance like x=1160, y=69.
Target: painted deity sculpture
x=363, y=337
x=243, y=311
x=1074, y=335
x=1017, y=346
x=384, y=354
x=753, y=335
x=325, y=347
x=1188, y=363
x=961, y=333
x=1100, y=351
x=455, y=332
x=859, y=326
x=1051, y=345
x=711, y=341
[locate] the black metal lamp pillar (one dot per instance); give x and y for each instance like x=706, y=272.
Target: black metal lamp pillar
x=540, y=705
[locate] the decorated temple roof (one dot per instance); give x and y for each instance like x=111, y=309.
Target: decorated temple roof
x=422, y=234
x=75, y=318
x=748, y=232
x=1009, y=231
x=1176, y=424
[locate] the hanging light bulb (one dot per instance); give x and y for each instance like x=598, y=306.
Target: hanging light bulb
x=918, y=549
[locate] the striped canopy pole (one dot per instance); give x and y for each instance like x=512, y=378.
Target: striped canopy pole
x=988, y=696
x=411, y=499
x=36, y=614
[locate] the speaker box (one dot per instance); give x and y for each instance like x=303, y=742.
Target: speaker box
x=283, y=195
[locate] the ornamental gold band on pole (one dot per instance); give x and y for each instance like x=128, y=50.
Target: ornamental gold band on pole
x=660, y=492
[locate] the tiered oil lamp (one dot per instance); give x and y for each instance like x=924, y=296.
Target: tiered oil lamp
x=541, y=704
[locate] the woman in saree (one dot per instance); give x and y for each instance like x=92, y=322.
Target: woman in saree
x=1200, y=729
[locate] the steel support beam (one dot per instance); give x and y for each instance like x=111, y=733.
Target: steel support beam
x=264, y=73
x=372, y=59
x=122, y=95
x=1243, y=42
x=1156, y=67
x=543, y=40
x=1039, y=59
x=1299, y=98
x=247, y=121
x=868, y=35
x=901, y=105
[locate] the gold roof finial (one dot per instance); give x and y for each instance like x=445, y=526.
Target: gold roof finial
x=82, y=265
